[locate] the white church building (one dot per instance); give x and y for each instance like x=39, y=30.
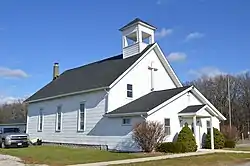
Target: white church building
x=99, y=103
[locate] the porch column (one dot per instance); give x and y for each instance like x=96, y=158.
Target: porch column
x=212, y=132
x=195, y=132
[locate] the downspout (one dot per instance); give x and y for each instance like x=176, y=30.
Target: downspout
x=27, y=120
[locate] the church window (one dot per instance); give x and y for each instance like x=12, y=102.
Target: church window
x=167, y=126
x=40, y=120
x=81, y=117
x=129, y=90
x=126, y=121
x=59, y=118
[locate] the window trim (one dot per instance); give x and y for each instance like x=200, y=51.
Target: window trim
x=84, y=118
x=40, y=117
x=126, y=124
x=165, y=126
x=59, y=130
x=129, y=90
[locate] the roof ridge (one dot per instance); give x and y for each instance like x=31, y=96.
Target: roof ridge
x=110, y=58
x=91, y=63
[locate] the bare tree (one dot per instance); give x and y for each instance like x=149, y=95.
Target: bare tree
x=148, y=135
x=13, y=112
x=215, y=89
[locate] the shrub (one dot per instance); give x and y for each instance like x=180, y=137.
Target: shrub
x=148, y=135
x=231, y=135
x=186, y=137
x=171, y=147
x=229, y=144
x=219, y=140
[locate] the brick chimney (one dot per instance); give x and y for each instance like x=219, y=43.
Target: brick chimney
x=55, y=71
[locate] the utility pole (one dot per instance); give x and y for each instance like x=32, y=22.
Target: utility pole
x=229, y=103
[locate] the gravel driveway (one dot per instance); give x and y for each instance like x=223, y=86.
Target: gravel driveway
x=13, y=161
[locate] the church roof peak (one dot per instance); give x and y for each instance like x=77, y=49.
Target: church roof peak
x=136, y=20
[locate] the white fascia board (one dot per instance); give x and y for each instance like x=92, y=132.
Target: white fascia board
x=186, y=114
x=146, y=25
x=67, y=94
x=167, y=66
x=126, y=114
x=203, y=98
x=131, y=67
x=207, y=109
x=169, y=101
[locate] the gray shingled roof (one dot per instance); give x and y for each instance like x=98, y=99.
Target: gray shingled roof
x=135, y=21
x=148, y=102
x=192, y=108
x=95, y=75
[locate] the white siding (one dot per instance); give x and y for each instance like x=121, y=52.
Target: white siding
x=131, y=50
x=171, y=111
x=99, y=130
x=140, y=78
x=142, y=46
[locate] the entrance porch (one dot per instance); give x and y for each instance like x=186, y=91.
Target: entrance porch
x=200, y=118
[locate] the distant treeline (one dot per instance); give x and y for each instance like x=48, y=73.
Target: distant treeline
x=13, y=112
x=216, y=90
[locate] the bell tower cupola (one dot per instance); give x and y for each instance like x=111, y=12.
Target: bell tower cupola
x=136, y=35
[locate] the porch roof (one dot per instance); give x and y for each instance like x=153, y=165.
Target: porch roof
x=202, y=110
x=192, y=109
x=147, y=102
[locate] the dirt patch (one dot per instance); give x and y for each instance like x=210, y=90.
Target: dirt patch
x=14, y=161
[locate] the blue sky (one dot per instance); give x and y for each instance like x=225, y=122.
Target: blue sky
x=197, y=36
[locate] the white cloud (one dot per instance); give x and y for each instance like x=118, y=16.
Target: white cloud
x=12, y=73
x=194, y=35
x=163, y=33
x=208, y=71
x=177, y=56
x=211, y=72
x=7, y=99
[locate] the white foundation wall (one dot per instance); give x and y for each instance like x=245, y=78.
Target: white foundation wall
x=171, y=111
x=99, y=130
x=140, y=78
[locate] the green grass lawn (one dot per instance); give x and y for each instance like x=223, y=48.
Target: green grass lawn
x=239, y=148
x=58, y=155
x=218, y=159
